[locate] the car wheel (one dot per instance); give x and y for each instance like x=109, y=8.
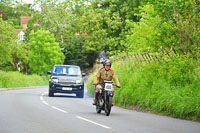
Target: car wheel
x=51, y=93
x=80, y=95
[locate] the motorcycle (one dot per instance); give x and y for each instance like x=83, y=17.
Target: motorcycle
x=104, y=98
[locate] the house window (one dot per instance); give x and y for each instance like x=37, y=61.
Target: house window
x=21, y=35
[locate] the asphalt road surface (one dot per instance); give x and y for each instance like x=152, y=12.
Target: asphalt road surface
x=32, y=111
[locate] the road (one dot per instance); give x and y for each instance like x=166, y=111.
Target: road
x=32, y=111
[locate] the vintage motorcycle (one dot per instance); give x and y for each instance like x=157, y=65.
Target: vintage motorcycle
x=104, y=98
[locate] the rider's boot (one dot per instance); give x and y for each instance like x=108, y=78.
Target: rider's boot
x=95, y=99
x=95, y=102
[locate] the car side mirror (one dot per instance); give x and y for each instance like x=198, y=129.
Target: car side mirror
x=83, y=74
x=49, y=72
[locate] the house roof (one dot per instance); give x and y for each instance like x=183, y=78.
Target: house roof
x=24, y=19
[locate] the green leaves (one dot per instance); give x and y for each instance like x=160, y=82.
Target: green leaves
x=8, y=40
x=12, y=79
x=105, y=25
x=146, y=34
x=44, y=52
x=166, y=23
x=170, y=87
x=13, y=10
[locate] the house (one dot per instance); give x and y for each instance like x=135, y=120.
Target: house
x=23, y=22
x=20, y=33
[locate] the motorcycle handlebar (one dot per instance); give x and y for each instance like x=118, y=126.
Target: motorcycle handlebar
x=107, y=82
x=104, y=83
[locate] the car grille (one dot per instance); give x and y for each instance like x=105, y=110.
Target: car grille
x=66, y=81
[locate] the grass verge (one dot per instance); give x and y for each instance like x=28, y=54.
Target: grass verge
x=12, y=79
x=170, y=87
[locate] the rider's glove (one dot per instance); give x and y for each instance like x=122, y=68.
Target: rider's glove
x=118, y=86
x=95, y=84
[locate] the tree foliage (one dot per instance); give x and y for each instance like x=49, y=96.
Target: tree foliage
x=14, y=9
x=106, y=23
x=147, y=34
x=101, y=26
x=114, y=26
x=166, y=23
x=44, y=52
x=60, y=18
x=7, y=43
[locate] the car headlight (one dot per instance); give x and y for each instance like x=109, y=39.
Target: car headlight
x=55, y=80
x=78, y=81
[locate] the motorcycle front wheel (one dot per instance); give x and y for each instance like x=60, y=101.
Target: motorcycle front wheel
x=108, y=105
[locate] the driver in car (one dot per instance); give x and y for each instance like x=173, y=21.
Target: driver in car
x=105, y=73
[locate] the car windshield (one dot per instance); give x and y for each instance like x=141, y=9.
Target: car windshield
x=67, y=70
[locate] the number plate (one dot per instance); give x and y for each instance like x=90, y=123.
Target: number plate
x=108, y=86
x=67, y=88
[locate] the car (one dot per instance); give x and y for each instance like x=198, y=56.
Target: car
x=66, y=79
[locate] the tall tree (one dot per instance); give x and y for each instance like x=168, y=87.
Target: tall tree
x=44, y=52
x=106, y=25
x=62, y=19
x=166, y=23
x=7, y=44
x=13, y=9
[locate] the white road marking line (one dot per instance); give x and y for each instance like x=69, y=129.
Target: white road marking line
x=93, y=122
x=41, y=98
x=45, y=102
x=43, y=94
x=59, y=109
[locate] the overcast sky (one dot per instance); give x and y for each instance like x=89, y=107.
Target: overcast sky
x=29, y=1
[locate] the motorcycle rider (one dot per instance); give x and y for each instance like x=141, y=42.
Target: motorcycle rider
x=105, y=73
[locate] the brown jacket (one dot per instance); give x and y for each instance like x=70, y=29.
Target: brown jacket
x=101, y=76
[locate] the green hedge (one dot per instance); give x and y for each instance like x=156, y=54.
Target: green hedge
x=18, y=27
x=16, y=79
x=90, y=86
x=170, y=87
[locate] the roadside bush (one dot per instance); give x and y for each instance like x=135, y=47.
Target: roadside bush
x=16, y=79
x=90, y=86
x=44, y=52
x=18, y=27
x=169, y=87
x=7, y=44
